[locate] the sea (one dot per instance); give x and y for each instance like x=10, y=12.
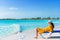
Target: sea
x=8, y=27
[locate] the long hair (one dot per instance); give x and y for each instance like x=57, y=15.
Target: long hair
x=52, y=24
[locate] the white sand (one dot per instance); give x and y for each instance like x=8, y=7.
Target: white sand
x=29, y=35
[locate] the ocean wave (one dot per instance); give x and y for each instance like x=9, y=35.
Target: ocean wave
x=9, y=29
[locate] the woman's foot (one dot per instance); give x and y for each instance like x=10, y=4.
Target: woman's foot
x=36, y=37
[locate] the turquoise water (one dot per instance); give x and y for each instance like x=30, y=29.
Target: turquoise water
x=24, y=25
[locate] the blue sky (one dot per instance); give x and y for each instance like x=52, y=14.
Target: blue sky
x=29, y=8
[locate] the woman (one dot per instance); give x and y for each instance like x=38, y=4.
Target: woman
x=49, y=29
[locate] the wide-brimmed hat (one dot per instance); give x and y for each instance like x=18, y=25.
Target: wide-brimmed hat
x=49, y=20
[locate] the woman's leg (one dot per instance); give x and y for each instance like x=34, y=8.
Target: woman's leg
x=36, y=33
x=39, y=31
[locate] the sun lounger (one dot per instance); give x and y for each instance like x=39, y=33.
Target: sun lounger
x=55, y=31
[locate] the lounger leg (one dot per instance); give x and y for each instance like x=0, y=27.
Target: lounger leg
x=42, y=36
x=49, y=35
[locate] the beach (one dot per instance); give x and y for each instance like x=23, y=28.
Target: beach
x=29, y=35
x=27, y=19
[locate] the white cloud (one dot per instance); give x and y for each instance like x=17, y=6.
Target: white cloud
x=13, y=8
x=10, y=12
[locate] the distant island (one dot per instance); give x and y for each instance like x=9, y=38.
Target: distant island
x=37, y=18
